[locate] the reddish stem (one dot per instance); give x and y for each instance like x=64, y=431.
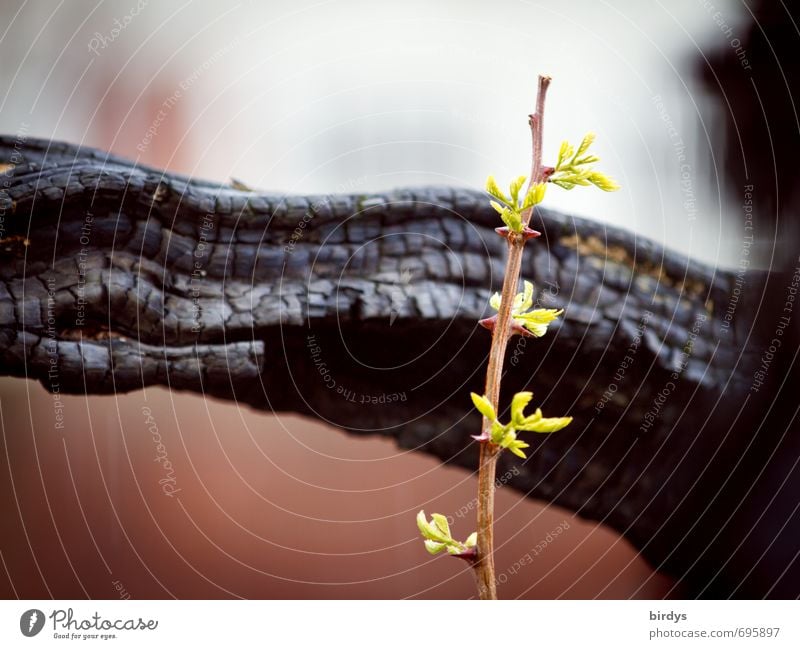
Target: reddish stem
x=484, y=563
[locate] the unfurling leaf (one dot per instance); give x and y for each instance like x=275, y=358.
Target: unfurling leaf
x=572, y=168
x=524, y=300
x=512, y=219
x=534, y=321
x=513, y=444
x=484, y=406
x=564, y=154
x=516, y=186
x=436, y=534
x=505, y=436
x=603, y=182
x=497, y=207
x=547, y=425
x=585, y=144
x=518, y=404
x=494, y=189
x=509, y=208
x=537, y=329
x=472, y=540
x=423, y=525
x=432, y=530
x=534, y=196
x=531, y=419
x=441, y=523
x=587, y=159
x=516, y=448
x=497, y=432
x=434, y=547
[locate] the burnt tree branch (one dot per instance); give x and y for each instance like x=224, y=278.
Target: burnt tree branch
x=362, y=310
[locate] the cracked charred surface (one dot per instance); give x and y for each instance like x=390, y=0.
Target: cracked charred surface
x=362, y=310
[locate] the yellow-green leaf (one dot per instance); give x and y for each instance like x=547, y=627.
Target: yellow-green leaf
x=585, y=144
x=602, y=181
x=534, y=196
x=518, y=404
x=494, y=189
x=541, y=316
x=564, y=153
x=484, y=406
x=537, y=329
x=498, y=430
x=516, y=186
x=434, y=547
x=516, y=451
x=527, y=296
x=547, y=424
x=430, y=530
x=536, y=321
x=531, y=419
x=512, y=219
x=587, y=159
x=441, y=523
x=422, y=524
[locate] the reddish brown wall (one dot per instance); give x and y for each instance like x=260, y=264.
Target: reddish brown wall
x=268, y=507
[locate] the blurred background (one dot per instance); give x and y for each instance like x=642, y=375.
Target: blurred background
x=336, y=96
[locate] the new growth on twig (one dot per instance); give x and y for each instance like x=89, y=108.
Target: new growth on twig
x=515, y=316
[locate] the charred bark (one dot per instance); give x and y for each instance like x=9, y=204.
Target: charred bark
x=361, y=310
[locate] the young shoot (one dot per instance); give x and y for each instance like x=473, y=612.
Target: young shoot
x=515, y=316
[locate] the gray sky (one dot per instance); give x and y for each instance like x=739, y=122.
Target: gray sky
x=343, y=95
